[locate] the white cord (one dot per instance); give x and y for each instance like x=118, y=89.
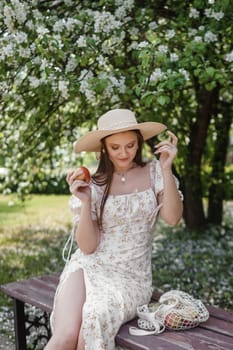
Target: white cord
x=157, y=325
x=69, y=242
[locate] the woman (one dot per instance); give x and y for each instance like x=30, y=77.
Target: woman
x=110, y=274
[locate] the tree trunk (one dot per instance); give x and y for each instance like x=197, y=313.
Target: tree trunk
x=194, y=215
x=216, y=191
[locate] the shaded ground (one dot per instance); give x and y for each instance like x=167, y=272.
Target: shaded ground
x=7, y=341
x=5, y=344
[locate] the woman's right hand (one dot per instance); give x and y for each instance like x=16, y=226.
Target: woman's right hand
x=78, y=188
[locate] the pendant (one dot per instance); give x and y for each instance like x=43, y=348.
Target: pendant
x=123, y=179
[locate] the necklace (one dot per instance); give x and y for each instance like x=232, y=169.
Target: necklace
x=123, y=174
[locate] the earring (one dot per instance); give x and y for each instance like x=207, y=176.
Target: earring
x=97, y=155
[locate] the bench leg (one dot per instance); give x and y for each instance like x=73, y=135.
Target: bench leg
x=19, y=319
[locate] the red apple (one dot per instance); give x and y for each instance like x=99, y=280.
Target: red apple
x=85, y=176
x=173, y=320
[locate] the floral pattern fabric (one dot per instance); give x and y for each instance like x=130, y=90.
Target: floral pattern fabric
x=118, y=274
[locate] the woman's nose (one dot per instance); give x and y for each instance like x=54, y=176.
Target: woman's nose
x=123, y=151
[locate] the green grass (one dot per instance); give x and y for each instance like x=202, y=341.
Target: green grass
x=48, y=211
x=32, y=235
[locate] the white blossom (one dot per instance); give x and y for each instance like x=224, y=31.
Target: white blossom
x=34, y=82
x=82, y=42
x=143, y=44
x=3, y=87
x=24, y=52
x=133, y=46
x=20, y=10
x=170, y=34
x=114, y=98
x=174, y=57
x=85, y=85
x=212, y=14
x=133, y=31
x=194, y=13
x=102, y=61
x=71, y=64
x=229, y=56
x=20, y=37
x=105, y=22
x=37, y=15
x=58, y=26
x=8, y=50
x=63, y=88
x=118, y=83
x=218, y=15
x=201, y=28
x=9, y=18
x=30, y=25
x=210, y=37
x=153, y=25
x=126, y=3
x=121, y=11
x=156, y=75
x=42, y=30
x=197, y=39
x=192, y=31
x=44, y=64
x=185, y=73
x=163, y=48
x=71, y=23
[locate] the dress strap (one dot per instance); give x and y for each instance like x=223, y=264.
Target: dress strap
x=152, y=169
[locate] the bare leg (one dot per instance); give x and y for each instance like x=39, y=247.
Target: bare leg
x=81, y=343
x=68, y=313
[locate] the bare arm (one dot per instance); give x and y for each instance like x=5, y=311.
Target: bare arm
x=87, y=233
x=172, y=208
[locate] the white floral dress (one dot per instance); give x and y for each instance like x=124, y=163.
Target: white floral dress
x=118, y=274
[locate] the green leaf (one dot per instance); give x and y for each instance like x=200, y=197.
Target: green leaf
x=163, y=100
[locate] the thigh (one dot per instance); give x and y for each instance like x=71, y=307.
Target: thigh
x=69, y=303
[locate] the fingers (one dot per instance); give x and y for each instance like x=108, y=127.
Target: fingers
x=78, y=185
x=170, y=149
x=174, y=139
x=168, y=146
x=71, y=176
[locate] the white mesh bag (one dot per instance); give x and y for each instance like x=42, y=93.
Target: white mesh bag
x=175, y=310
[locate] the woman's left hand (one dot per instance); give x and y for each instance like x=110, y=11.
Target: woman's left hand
x=167, y=150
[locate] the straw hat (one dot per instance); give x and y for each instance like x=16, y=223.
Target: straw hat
x=112, y=122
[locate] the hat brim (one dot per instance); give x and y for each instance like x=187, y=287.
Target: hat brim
x=91, y=142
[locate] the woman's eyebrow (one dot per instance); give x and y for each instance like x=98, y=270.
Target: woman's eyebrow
x=117, y=144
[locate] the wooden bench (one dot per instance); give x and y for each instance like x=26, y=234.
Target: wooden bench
x=216, y=333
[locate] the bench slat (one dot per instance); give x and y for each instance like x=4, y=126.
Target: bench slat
x=226, y=315
x=218, y=326
x=199, y=339
x=30, y=293
x=195, y=338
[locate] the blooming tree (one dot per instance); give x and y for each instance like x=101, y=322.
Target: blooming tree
x=64, y=62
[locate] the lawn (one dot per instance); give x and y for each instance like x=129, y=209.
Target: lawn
x=47, y=211
x=32, y=235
